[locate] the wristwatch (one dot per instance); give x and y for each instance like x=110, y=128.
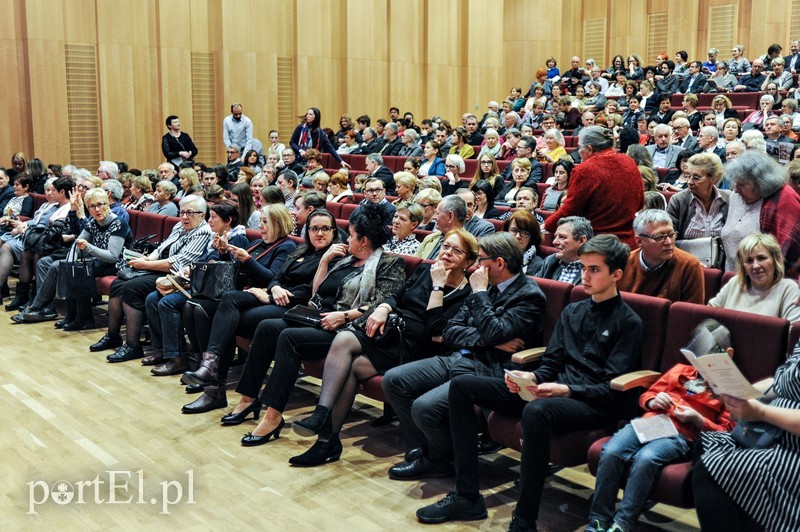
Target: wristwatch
x=347, y=317
x=436, y=288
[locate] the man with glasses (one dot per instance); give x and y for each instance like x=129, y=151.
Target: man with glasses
x=752, y=82
x=234, y=163
x=375, y=192
x=663, y=152
x=526, y=149
x=377, y=170
x=658, y=268
x=289, y=162
x=564, y=265
x=682, y=134
x=371, y=142
x=503, y=314
x=451, y=213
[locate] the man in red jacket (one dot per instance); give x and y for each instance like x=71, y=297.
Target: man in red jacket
x=606, y=187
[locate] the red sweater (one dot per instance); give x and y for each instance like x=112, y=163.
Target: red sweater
x=705, y=403
x=607, y=189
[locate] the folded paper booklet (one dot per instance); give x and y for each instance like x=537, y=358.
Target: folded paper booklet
x=653, y=427
x=718, y=369
x=523, y=384
x=128, y=254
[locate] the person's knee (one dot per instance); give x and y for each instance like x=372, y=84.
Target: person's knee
x=537, y=415
x=426, y=414
x=462, y=387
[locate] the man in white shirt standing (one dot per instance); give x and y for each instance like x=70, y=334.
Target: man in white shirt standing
x=237, y=129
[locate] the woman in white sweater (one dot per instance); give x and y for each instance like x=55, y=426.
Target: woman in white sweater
x=760, y=286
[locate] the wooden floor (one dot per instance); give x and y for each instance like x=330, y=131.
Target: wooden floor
x=70, y=416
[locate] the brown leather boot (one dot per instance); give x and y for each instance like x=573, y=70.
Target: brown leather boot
x=213, y=397
x=206, y=373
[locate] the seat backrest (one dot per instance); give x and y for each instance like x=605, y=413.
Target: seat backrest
x=759, y=342
x=654, y=312
x=334, y=208
x=133, y=219
x=347, y=211
x=169, y=223
x=558, y=297
x=149, y=223
x=713, y=282
x=358, y=162
x=252, y=234
x=411, y=263
x=470, y=166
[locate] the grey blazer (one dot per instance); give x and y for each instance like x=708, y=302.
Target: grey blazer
x=672, y=153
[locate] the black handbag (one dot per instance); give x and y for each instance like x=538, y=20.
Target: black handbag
x=756, y=434
x=393, y=330
x=303, y=315
x=209, y=280
x=76, y=279
x=126, y=273
x=44, y=239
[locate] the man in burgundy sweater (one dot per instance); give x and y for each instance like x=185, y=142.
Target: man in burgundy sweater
x=606, y=187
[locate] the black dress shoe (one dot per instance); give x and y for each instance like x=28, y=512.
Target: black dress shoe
x=172, y=366
x=19, y=317
x=421, y=468
x=454, y=507
x=105, y=343
x=320, y=453
x=251, y=440
x=79, y=326
x=59, y=324
x=153, y=360
x=195, y=388
x=486, y=445
x=236, y=418
x=206, y=403
x=125, y=353
x=39, y=315
x=413, y=454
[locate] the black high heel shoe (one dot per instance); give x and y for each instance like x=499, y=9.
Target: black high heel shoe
x=320, y=453
x=250, y=440
x=236, y=418
x=318, y=423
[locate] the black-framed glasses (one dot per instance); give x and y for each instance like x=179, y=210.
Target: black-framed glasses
x=521, y=232
x=96, y=205
x=320, y=229
x=660, y=238
x=189, y=213
x=481, y=259
x=373, y=191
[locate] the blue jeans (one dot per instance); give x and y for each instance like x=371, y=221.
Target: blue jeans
x=646, y=462
x=164, y=318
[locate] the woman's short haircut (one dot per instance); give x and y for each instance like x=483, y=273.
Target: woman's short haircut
x=406, y=178
x=368, y=222
x=339, y=179
x=521, y=162
x=227, y=210
x=313, y=153
x=95, y=194
x=278, y=218
x=503, y=245
x=196, y=202
x=272, y=194
x=710, y=163
x=759, y=170
x=747, y=246
x=320, y=177
x=457, y=160
x=526, y=221
x=428, y=195
x=431, y=182
x=596, y=137
x=168, y=187
x=790, y=103
x=415, y=212
x=469, y=242
x=142, y=182
x=615, y=252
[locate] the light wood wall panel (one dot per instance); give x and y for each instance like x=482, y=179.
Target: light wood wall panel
x=343, y=56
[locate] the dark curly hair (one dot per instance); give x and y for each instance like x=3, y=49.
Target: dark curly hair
x=369, y=222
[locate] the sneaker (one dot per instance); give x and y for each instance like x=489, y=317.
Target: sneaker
x=454, y=507
x=595, y=526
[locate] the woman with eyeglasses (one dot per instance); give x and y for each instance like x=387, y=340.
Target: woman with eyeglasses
x=487, y=170
x=187, y=241
x=634, y=69
x=280, y=275
x=430, y=297
x=350, y=281
x=428, y=199
x=484, y=201
x=454, y=166
x=525, y=228
x=101, y=241
x=762, y=201
x=700, y=210
x=553, y=149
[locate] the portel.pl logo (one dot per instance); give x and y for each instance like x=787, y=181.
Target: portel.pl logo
x=118, y=487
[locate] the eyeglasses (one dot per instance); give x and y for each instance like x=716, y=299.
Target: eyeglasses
x=449, y=166
x=426, y=205
x=695, y=177
x=447, y=248
x=83, y=187
x=661, y=238
x=374, y=191
x=520, y=232
x=481, y=259
x=232, y=152
x=489, y=163
x=96, y=205
x=188, y=213
x=320, y=229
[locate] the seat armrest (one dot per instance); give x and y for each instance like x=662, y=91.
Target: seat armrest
x=637, y=379
x=764, y=385
x=528, y=355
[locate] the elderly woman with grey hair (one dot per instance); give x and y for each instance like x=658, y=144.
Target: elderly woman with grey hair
x=762, y=201
x=454, y=166
x=188, y=240
x=163, y=195
x=756, y=118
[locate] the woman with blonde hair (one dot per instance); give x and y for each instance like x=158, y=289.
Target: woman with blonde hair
x=187, y=178
x=141, y=193
x=760, y=286
x=405, y=187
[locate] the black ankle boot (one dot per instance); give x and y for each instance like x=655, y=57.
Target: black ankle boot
x=319, y=423
x=320, y=453
x=21, y=297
